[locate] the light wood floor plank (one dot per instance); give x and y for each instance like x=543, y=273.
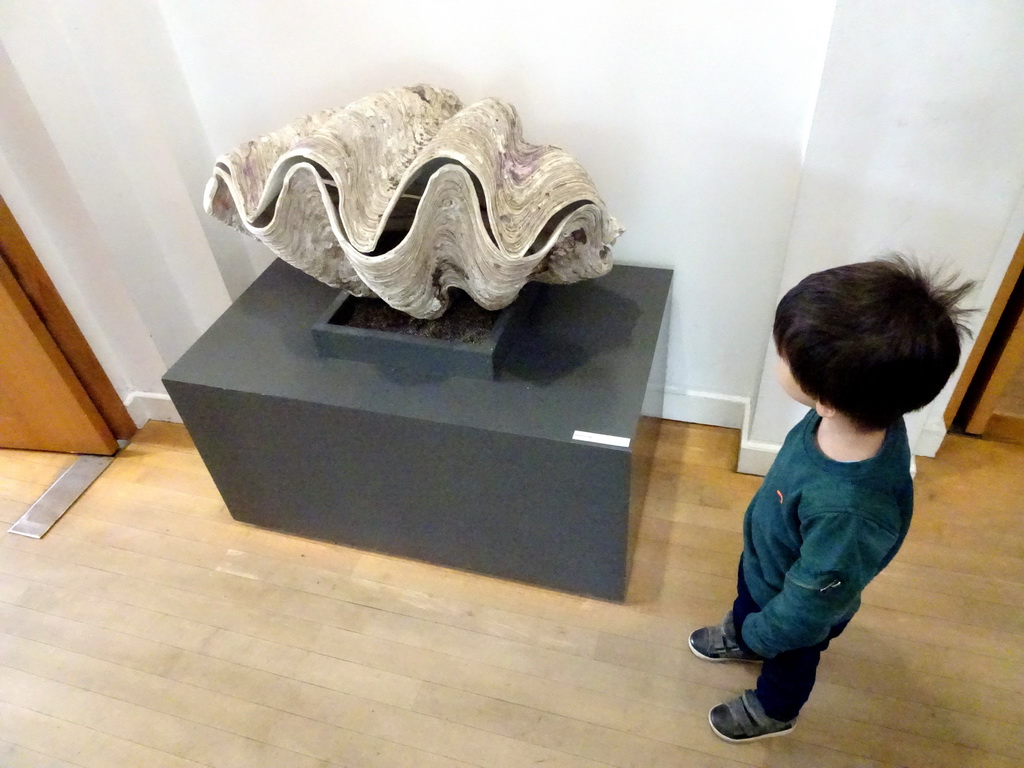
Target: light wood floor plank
x=10, y=511
x=947, y=527
x=961, y=560
x=142, y=725
x=320, y=670
x=933, y=613
x=150, y=497
x=31, y=471
x=889, y=590
x=16, y=756
x=716, y=694
x=288, y=696
x=56, y=460
x=21, y=490
x=264, y=555
x=971, y=682
x=606, y=708
x=934, y=579
x=320, y=582
x=81, y=745
x=211, y=642
x=982, y=715
x=164, y=434
x=305, y=737
x=287, y=654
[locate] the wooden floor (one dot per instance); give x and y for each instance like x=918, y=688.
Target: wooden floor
x=149, y=630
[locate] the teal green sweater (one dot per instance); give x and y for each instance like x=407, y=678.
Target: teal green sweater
x=816, y=532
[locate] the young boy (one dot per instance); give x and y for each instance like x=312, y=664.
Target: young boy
x=861, y=345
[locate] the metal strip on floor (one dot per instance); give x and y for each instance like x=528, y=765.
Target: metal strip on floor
x=59, y=497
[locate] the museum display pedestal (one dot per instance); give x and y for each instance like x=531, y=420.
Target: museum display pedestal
x=536, y=475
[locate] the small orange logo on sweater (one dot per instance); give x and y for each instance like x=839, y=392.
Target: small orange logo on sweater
x=781, y=500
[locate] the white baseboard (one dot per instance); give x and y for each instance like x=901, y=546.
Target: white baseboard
x=704, y=407
x=151, y=406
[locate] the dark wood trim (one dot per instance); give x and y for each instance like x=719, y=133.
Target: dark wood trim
x=1002, y=359
x=981, y=345
x=17, y=253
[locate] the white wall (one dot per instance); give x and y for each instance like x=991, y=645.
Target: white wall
x=102, y=161
x=693, y=117
x=917, y=145
x=33, y=182
x=689, y=115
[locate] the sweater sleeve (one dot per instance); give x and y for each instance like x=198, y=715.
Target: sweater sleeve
x=840, y=553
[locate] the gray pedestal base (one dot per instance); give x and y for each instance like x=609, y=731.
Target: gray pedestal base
x=499, y=477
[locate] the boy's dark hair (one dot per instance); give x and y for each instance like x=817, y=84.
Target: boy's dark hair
x=873, y=340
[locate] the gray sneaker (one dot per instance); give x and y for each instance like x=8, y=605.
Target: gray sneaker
x=743, y=719
x=718, y=643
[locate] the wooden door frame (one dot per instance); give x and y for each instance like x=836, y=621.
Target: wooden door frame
x=985, y=337
x=17, y=253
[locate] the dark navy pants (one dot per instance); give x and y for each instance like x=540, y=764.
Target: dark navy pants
x=786, y=681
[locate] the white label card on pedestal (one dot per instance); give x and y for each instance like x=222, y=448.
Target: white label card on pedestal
x=593, y=437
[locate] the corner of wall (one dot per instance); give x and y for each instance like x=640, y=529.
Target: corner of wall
x=755, y=457
x=931, y=438
x=718, y=410
x=151, y=406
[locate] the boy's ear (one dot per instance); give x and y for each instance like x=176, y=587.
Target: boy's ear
x=825, y=411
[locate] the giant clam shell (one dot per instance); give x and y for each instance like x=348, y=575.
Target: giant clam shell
x=405, y=194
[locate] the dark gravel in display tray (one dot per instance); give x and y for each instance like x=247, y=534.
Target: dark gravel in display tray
x=467, y=340
x=465, y=320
